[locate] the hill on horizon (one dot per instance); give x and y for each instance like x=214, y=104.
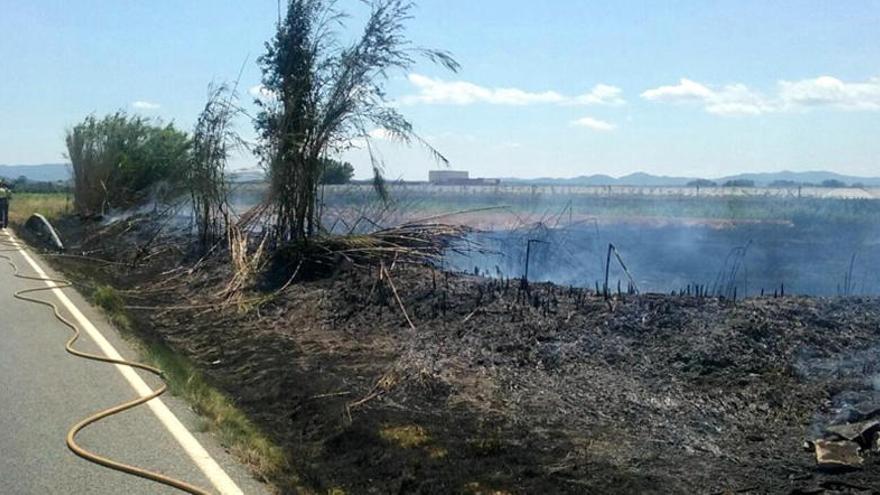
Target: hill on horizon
x=46, y=172
x=648, y=180
x=61, y=171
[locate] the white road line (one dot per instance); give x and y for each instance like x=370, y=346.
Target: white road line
x=218, y=477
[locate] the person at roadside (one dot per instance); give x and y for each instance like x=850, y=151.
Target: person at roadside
x=5, y=196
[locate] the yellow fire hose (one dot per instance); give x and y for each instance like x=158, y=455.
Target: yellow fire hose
x=7, y=242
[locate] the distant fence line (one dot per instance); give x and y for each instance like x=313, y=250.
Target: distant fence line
x=599, y=191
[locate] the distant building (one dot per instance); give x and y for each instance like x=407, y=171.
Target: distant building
x=447, y=176
x=458, y=178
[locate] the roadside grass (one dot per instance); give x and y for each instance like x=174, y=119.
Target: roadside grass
x=219, y=413
x=221, y=416
x=50, y=205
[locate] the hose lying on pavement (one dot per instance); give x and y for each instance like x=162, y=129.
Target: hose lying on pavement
x=9, y=245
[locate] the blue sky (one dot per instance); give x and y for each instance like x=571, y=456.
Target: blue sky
x=571, y=87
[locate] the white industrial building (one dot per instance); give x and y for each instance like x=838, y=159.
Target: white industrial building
x=447, y=176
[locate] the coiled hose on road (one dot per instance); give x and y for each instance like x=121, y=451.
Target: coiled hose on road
x=9, y=245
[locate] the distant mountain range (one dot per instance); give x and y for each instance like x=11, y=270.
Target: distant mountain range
x=815, y=177
x=61, y=171
x=643, y=179
x=49, y=172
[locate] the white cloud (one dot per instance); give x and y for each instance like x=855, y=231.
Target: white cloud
x=594, y=124
x=438, y=91
x=739, y=99
x=832, y=92
x=379, y=133
x=601, y=94
x=145, y=105
x=733, y=99
x=685, y=90
x=260, y=92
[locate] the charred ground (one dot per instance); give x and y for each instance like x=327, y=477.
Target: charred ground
x=500, y=388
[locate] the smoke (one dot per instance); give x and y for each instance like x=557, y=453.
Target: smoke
x=746, y=259
x=802, y=245
x=855, y=377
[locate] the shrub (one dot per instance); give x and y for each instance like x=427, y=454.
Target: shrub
x=833, y=183
x=740, y=183
x=121, y=161
x=336, y=172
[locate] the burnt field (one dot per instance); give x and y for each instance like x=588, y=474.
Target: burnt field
x=720, y=245
x=547, y=390
x=817, y=258
x=413, y=379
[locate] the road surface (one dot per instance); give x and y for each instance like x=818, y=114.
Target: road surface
x=44, y=391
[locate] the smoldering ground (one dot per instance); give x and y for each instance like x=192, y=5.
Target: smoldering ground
x=816, y=258
x=543, y=388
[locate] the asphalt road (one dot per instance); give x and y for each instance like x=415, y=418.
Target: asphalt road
x=44, y=391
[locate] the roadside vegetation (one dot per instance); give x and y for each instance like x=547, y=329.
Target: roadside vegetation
x=205, y=176
x=185, y=380
x=321, y=94
x=131, y=176
x=120, y=161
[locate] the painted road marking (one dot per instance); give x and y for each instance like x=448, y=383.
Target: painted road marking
x=218, y=477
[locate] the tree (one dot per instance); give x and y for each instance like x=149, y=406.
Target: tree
x=319, y=96
x=833, y=183
x=740, y=183
x=784, y=183
x=119, y=161
x=698, y=183
x=336, y=172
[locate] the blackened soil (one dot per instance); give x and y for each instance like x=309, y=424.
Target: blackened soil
x=502, y=389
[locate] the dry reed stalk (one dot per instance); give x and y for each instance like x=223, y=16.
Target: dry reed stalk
x=396, y=296
x=245, y=266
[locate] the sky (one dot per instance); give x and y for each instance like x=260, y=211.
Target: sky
x=546, y=89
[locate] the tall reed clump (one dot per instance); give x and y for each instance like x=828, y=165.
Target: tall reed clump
x=121, y=161
x=320, y=95
x=212, y=141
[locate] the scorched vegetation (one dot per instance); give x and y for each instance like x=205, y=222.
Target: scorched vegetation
x=365, y=367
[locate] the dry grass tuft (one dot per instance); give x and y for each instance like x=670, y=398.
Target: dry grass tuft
x=50, y=205
x=407, y=436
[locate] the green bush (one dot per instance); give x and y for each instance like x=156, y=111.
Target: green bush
x=121, y=161
x=108, y=299
x=336, y=172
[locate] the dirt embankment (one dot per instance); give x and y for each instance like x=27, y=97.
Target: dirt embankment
x=498, y=389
